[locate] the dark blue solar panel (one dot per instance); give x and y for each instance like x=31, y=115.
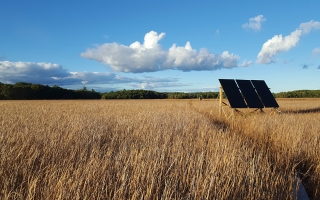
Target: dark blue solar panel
x=265, y=94
x=233, y=94
x=249, y=93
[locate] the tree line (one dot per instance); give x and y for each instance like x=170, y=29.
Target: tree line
x=149, y=94
x=134, y=94
x=299, y=94
x=29, y=91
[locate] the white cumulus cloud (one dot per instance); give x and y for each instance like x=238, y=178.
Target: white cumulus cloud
x=254, y=23
x=246, y=63
x=137, y=57
x=278, y=44
x=150, y=56
x=308, y=26
x=316, y=52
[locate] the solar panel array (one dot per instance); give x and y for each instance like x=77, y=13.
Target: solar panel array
x=248, y=94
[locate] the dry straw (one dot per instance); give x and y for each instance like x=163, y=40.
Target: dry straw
x=155, y=149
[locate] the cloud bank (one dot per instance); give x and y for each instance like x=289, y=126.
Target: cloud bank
x=278, y=44
x=151, y=57
x=55, y=74
x=11, y=72
x=254, y=23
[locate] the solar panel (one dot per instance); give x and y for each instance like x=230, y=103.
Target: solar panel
x=233, y=94
x=265, y=94
x=249, y=93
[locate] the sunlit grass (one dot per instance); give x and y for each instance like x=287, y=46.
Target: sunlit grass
x=155, y=149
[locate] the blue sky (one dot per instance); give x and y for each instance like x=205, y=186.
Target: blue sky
x=161, y=45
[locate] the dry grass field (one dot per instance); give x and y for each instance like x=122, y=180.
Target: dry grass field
x=156, y=149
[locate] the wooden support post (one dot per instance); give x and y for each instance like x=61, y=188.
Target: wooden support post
x=233, y=113
x=220, y=101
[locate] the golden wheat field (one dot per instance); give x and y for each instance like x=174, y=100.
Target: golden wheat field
x=156, y=149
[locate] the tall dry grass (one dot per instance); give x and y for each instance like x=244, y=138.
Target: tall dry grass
x=292, y=138
x=154, y=149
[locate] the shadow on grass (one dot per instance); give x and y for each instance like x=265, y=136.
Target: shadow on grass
x=304, y=111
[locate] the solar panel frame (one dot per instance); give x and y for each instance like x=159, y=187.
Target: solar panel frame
x=233, y=94
x=251, y=97
x=265, y=94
